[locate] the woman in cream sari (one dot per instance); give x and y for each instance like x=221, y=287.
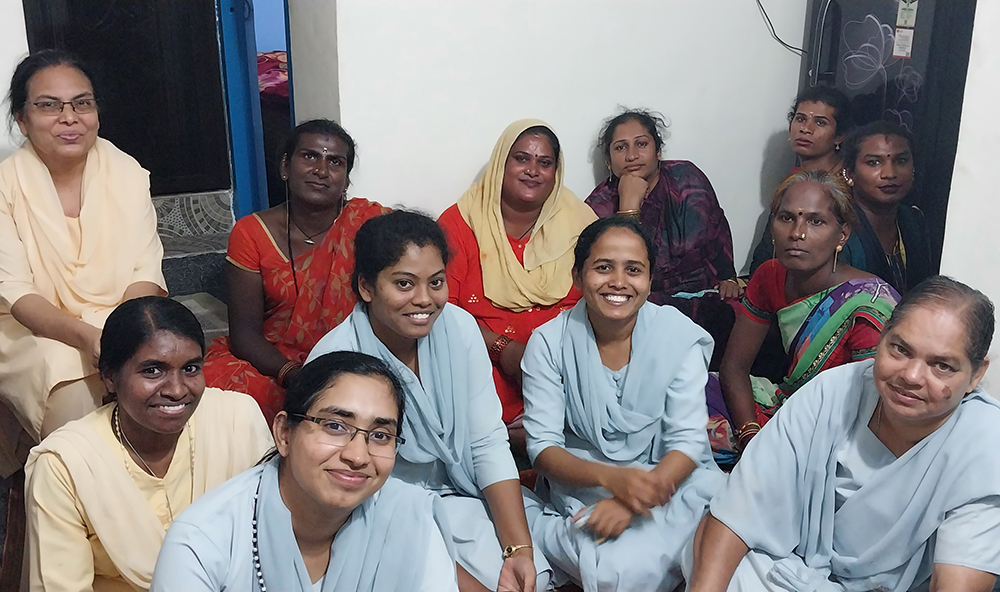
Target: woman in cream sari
x=77, y=238
x=101, y=491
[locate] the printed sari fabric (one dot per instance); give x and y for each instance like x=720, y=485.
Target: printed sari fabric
x=825, y=330
x=694, y=247
x=294, y=319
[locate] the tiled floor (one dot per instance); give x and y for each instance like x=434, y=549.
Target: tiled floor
x=194, y=224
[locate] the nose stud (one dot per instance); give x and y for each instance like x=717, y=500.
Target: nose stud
x=803, y=236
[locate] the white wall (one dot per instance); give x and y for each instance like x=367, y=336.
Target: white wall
x=13, y=48
x=312, y=42
x=427, y=87
x=972, y=240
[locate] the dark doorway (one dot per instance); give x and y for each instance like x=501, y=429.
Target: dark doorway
x=158, y=79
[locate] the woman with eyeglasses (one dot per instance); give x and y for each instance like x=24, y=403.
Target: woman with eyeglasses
x=77, y=238
x=457, y=443
x=320, y=512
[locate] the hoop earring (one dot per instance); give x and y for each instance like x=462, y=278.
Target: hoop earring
x=835, y=253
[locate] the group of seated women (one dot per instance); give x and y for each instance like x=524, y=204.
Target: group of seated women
x=403, y=369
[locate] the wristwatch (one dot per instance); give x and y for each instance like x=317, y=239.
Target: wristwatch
x=509, y=550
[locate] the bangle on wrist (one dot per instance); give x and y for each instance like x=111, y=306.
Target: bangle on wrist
x=499, y=344
x=283, y=373
x=746, y=432
x=634, y=214
x=509, y=550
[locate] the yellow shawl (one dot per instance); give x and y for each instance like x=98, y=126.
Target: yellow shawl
x=84, y=273
x=545, y=278
x=230, y=436
x=118, y=245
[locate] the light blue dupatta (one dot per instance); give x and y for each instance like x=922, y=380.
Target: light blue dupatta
x=372, y=552
x=781, y=497
x=435, y=406
x=623, y=429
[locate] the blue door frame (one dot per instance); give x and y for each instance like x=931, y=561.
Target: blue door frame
x=246, y=133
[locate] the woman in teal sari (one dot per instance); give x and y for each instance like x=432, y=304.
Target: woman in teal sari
x=828, y=314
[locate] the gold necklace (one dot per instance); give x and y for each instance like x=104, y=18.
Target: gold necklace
x=123, y=439
x=878, y=417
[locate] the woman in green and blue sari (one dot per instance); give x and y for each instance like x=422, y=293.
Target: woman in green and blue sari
x=828, y=314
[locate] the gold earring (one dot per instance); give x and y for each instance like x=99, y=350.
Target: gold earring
x=835, y=253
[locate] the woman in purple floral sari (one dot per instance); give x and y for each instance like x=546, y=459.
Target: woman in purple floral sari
x=674, y=201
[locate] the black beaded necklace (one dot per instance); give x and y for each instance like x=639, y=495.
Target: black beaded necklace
x=256, y=552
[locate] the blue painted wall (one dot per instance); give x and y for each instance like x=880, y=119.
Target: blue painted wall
x=269, y=25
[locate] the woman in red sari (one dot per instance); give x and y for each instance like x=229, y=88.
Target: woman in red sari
x=512, y=236
x=279, y=310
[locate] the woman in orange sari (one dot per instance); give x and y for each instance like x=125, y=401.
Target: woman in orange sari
x=278, y=310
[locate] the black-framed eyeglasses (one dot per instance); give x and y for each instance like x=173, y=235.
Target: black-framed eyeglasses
x=339, y=433
x=81, y=106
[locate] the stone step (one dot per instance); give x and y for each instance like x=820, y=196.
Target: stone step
x=194, y=229
x=211, y=313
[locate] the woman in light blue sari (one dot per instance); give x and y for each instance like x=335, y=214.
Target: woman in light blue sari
x=876, y=475
x=614, y=393
x=457, y=443
x=321, y=513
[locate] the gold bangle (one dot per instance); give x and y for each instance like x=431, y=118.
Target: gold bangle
x=748, y=426
x=283, y=373
x=509, y=550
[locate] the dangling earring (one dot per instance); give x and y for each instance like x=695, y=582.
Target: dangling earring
x=835, y=253
x=773, y=250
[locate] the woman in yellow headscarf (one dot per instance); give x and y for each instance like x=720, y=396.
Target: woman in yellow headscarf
x=512, y=236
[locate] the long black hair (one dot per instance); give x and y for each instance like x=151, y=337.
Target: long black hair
x=133, y=324
x=597, y=228
x=17, y=96
x=323, y=127
x=843, y=113
x=382, y=241
x=323, y=373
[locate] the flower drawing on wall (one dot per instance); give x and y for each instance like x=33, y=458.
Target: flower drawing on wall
x=908, y=82
x=869, y=51
x=903, y=117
